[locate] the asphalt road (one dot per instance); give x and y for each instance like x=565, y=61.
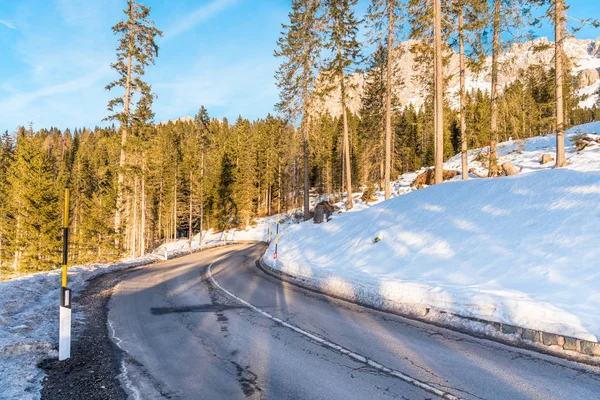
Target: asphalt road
x=186, y=337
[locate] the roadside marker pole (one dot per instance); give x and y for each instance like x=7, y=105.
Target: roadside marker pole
x=64, y=336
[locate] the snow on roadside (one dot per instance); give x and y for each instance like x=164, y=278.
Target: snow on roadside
x=519, y=250
x=29, y=305
x=29, y=317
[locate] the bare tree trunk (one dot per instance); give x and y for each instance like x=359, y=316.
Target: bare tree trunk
x=294, y=183
x=279, y=190
x=388, y=102
x=135, y=227
x=439, y=94
x=202, y=199
x=143, y=215
x=347, y=160
x=175, y=209
x=18, y=249
x=493, y=167
x=190, y=231
x=267, y=189
x=160, y=209
x=306, y=186
x=305, y=122
x=558, y=59
x=124, y=129
x=463, y=107
x=347, y=169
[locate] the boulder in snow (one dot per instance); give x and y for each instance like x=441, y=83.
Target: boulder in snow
x=546, y=158
x=509, y=169
x=428, y=177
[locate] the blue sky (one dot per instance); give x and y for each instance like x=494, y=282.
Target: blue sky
x=56, y=57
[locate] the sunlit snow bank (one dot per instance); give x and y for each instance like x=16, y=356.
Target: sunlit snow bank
x=520, y=250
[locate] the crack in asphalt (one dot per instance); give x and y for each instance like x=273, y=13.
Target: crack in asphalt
x=196, y=308
x=332, y=345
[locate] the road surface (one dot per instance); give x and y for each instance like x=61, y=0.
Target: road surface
x=235, y=333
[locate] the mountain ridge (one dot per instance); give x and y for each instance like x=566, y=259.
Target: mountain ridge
x=583, y=53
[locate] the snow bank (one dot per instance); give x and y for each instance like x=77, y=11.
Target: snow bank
x=519, y=250
x=29, y=318
x=261, y=230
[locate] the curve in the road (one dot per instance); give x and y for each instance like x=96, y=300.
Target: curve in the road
x=340, y=349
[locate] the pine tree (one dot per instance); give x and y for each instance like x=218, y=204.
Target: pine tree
x=559, y=59
x=202, y=129
x=507, y=18
x=35, y=206
x=342, y=44
x=438, y=93
x=143, y=131
x=137, y=49
x=6, y=157
x=373, y=118
x=427, y=26
x=385, y=15
x=299, y=47
x=470, y=17
x=373, y=113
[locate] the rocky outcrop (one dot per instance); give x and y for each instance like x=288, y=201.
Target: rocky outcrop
x=427, y=178
x=588, y=77
x=584, y=56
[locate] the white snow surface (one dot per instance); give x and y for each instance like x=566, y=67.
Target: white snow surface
x=520, y=250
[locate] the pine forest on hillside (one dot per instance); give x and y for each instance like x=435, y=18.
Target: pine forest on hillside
x=137, y=183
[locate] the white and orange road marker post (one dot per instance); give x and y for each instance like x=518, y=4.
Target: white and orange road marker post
x=64, y=335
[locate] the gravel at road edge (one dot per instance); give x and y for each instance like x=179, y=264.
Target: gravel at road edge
x=93, y=369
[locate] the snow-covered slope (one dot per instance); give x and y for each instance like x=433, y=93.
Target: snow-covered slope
x=520, y=250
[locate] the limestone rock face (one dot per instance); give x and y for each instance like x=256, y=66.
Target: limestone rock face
x=588, y=77
x=584, y=55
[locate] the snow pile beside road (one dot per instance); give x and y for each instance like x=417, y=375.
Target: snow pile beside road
x=520, y=250
x=261, y=230
x=29, y=319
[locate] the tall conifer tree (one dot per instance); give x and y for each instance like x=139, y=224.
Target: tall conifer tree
x=299, y=47
x=384, y=17
x=469, y=21
x=136, y=50
x=438, y=92
x=344, y=53
x=507, y=19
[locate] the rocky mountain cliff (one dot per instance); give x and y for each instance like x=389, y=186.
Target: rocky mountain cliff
x=583, y=53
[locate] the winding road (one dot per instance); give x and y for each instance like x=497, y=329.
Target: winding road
x=212, y=325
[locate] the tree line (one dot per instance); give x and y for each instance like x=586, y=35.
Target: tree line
x=180, y=178
x=136, y=184
x=320, y=51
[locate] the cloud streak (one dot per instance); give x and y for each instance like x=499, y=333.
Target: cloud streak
x=198, y=16
x=8, y=24
x=20, y=100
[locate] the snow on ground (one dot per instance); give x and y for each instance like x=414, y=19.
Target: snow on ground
x=520, y=250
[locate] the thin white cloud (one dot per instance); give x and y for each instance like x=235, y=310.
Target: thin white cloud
x=200, y=15
x=8, y=24
x=20, y=100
